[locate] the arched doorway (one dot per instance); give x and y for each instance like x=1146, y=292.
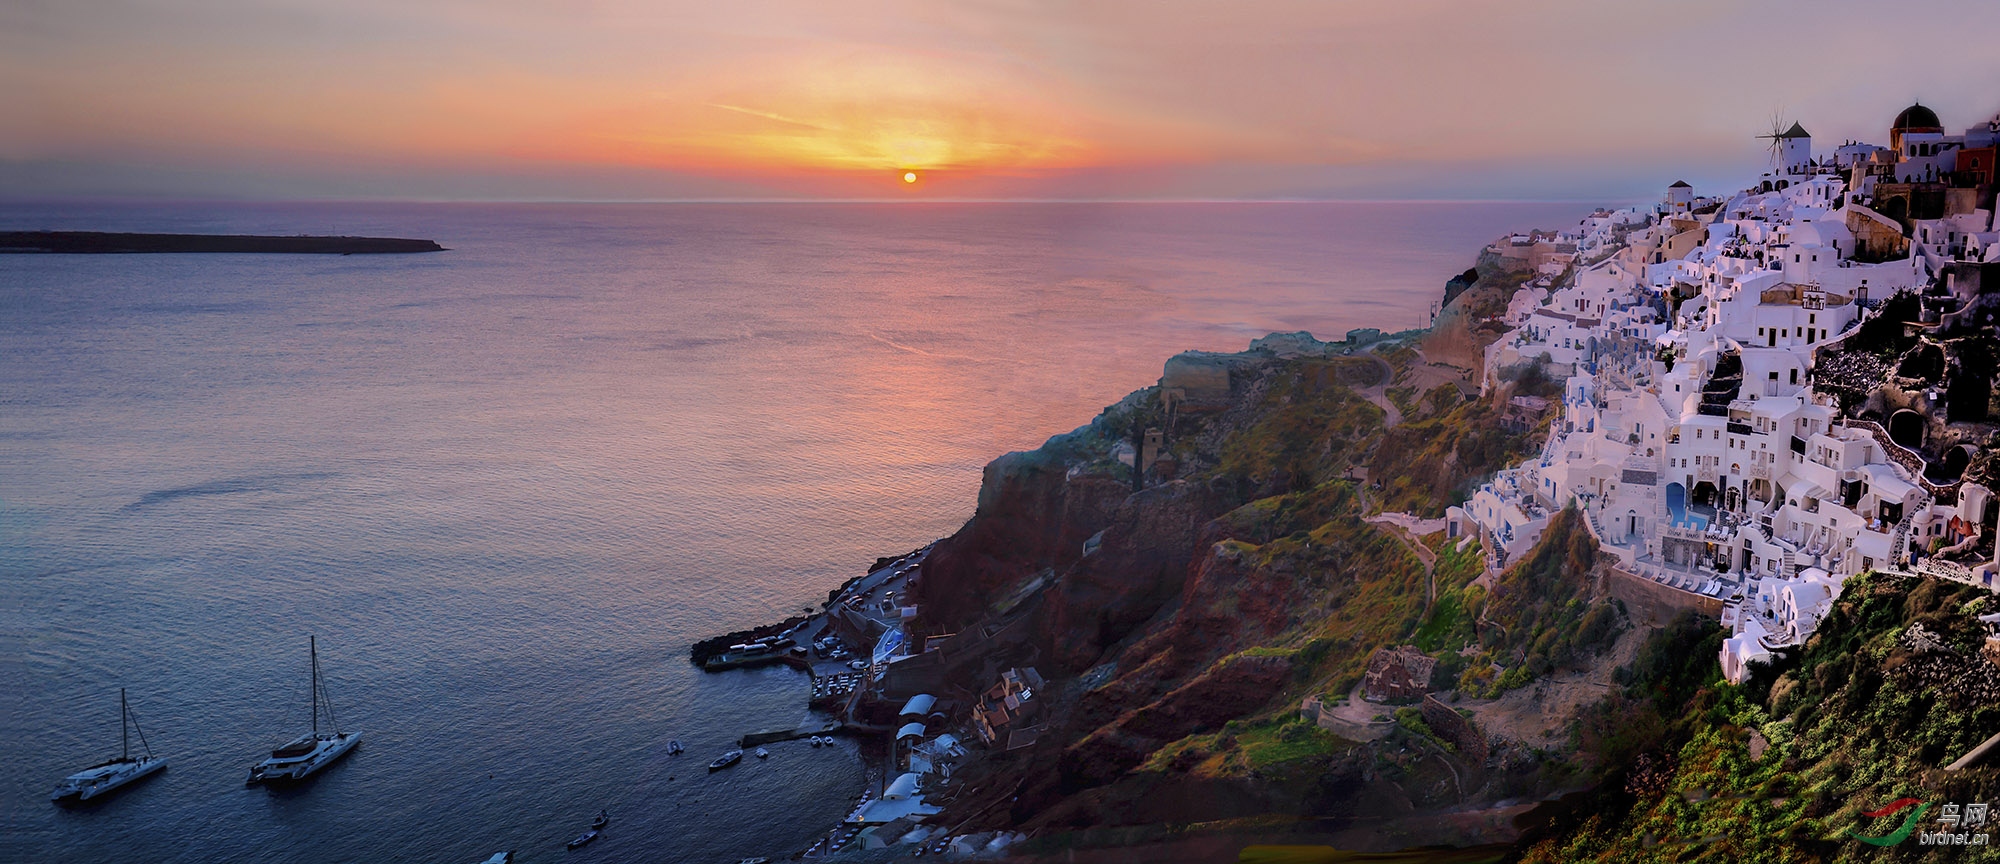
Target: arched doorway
x=1704, y=494
x=1895, y=208
x=1906, y=427
x=1952, y=466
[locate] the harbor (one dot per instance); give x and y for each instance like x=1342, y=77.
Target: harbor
x=849, y=648
x=892, y=691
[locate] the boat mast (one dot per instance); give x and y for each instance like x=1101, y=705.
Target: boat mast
x=135, y=725
x=312, y=645
x=124, y=734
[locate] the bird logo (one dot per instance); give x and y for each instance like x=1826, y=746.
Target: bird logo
x=1901, y=834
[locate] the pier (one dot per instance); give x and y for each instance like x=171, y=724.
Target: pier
x=772, y=736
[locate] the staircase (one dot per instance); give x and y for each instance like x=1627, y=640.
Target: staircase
x=1899, y=549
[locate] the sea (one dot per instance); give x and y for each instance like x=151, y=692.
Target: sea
x=506, y=485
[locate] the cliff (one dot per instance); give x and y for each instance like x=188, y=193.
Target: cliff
x=1182, y=623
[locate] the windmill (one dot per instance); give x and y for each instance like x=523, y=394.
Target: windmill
x=1789, y=154
x=1777, y=139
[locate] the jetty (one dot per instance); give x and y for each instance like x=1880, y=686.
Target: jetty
x=772, y=736
x=100, y=242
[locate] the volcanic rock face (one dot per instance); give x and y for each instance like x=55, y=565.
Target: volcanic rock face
x=1210, y=699
x=1034, y=514
x=1141, y=566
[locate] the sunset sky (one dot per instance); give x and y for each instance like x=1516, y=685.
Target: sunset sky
x=663, y=99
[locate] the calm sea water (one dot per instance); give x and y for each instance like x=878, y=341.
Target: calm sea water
x=506, y=485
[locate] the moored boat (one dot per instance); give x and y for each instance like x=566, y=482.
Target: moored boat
x=506, y=857
x=602, y=819
x=763, y=753
x=111, y=774
x=725, y=760
x=583, y=839
x=674, y=748
x=307, y=754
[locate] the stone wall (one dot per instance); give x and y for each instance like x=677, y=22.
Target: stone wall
x=1450, y=726
x=1654, y=604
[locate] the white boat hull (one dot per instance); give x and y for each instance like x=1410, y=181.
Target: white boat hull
x=85, y=785
x=291, y=770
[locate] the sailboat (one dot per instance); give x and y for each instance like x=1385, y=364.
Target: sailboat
x=106, y=776
x=312, y=751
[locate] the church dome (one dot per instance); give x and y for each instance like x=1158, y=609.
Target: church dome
x=1917, y=118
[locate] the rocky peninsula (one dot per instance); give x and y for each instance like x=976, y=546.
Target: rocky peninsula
x=100, y=242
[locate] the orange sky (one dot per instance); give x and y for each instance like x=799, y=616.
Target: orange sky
x=1006, y=98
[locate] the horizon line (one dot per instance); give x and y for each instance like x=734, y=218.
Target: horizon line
x=6, y=201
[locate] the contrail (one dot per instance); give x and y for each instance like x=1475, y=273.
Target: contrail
x=770, y=116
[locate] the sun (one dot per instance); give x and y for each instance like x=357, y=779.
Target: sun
x=909, y=176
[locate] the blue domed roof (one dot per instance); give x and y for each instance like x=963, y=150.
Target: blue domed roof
x=1917, y=118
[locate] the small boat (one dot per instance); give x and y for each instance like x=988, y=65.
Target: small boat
x=506, y=857
x=725, y=760
x=674, y=748
x=816, y=741
x=583, y=839
x=602, y=819
x=106, y=776
x=763, y=753
x=304, y=756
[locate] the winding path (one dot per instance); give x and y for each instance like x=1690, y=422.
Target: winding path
x=1378, y=395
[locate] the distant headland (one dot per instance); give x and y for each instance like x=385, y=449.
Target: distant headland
x=81, y=242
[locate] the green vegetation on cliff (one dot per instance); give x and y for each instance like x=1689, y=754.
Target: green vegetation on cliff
x=1892, y=687
x=1541, y=615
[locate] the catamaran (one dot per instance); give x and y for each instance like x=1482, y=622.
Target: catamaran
x=106, y=776
x=313, y=750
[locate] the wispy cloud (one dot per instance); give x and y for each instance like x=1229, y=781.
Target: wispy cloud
x=778, y=118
